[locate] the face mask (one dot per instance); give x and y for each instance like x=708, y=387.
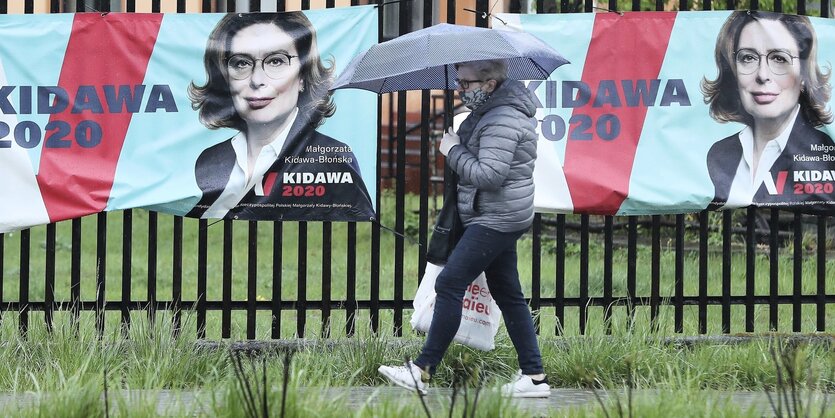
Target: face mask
x=474, y=99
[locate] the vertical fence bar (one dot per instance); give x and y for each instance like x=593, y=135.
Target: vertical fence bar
x=703, y=270
x=251, y=279
x=821, y=274
x=631, y=268
x=727, y=229
x=25, y=241
x=560, y=275
x=301, y=303
x=584, y=271
x=202, y=275
x=374, y=285
x=374, y=288
x=404, y=27
x=327, y=237
x=679, y=276
x=49, y=276
x=127, y=262
x=275, y=327
x=482, y=8
x=75, y=272
x=750, y=266
x=153, y=219
x=400, y=195
x=425, y=174
x=797, y=273
x=391, y=136
x=226, y=303
x=177, y=274
x=351, y=281
x=608, y=261
x=101, y=270
x=326, y=259
x=425, y=153
x=730, y=4
x=774, y=269
x=655, y=277
x=374, y=279
x=536, y=273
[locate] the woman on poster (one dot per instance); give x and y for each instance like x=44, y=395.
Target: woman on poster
x=769, y=80
x=266, y=79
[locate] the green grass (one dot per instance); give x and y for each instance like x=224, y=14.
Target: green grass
x=66, y=370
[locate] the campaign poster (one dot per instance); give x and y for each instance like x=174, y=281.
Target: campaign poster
x=677, y=112
x=202, y=115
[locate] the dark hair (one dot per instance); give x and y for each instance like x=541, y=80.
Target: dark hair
x=488, y=69
x=722, y=94
x=213, y=99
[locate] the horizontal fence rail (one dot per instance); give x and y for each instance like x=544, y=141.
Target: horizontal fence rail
x=672, y=258
x=748, y=270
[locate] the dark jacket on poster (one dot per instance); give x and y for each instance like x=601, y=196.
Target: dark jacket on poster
x=291, y=190
x=495, y=161
x=724, y=157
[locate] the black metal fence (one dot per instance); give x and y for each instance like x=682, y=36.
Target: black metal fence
x=270, y=279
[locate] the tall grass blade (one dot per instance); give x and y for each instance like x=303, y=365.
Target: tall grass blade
x=106, y=403
x=285, y=381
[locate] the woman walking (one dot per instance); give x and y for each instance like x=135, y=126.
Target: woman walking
x=493, y=154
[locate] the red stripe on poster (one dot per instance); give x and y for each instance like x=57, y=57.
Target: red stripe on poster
x=625, y=54
x=107, y=56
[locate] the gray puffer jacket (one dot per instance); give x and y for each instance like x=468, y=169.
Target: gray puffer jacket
x=495, y=161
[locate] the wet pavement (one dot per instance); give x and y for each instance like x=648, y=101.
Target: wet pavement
x=199, y=403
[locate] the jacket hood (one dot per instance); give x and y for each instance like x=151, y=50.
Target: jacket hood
x=511, y=93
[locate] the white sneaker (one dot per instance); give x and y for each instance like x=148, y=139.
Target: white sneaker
x=522, y=386
x=407, y=376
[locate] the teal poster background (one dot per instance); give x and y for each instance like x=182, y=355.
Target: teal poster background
x=669, y=173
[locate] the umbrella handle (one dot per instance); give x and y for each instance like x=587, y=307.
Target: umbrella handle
x=447, y=110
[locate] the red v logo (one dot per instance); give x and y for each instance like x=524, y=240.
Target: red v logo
x=269, y=181
x=781, y=181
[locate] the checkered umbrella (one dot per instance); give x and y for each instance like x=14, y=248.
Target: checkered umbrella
x=425, y=59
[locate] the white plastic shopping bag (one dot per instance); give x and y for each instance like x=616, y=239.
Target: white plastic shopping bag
x=479, y=318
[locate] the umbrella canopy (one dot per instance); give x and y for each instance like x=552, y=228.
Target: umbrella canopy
x=425, y=59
